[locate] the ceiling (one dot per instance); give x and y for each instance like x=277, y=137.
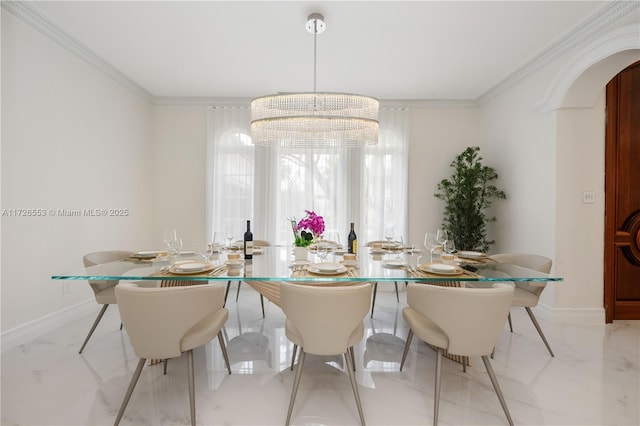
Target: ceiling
x=416, y=50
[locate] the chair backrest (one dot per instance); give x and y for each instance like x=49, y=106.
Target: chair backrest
x=325, y=317
x=100, y=257
x=531, y=261
x=156, y=319
x=471, y=318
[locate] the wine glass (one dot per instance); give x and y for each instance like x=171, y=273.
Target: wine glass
x=441, y=236
x=430, y=243
x=449, y=246
x=322, y=250
x=229, y=236
x=217, y=242
x=171, y=242
x=334, y=237
x=388, y=233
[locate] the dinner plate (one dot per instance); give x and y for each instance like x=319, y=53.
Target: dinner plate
x=394, y=263
x=441, y=269
x=341, y=270
x=187, y=253
x=378, y=251
x=471, y=254
x=327, y=267
x=147, y=254
x=190, y=268
x=349, y=262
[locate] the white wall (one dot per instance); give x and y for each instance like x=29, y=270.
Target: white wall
x=179, y=158
x=71, y=139
x=550, y=159
x=437, y=134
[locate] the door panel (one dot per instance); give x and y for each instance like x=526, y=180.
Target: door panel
x=622, y=206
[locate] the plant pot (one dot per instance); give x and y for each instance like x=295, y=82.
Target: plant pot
x=300, y=253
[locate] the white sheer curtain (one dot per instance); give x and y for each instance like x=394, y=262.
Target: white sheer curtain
x=383, y=192
x=230, y=171
x=269, y=185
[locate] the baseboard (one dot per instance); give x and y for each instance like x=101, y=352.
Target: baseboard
x=570, y=315
x=20, y=335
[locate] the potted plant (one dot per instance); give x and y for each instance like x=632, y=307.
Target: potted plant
x=467, y=194
x=305, y=232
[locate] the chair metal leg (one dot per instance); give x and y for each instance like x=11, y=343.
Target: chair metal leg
x=465, y=360
x=436, y=396
x=397, y=296
x=262, y=304
x=192, y=388
x=166, y=361
x=120, y=325
x=535, y=323
x=373, y=303
x=406, y=348
x=226, y=293
x=93, y=327
x=353, y=356
x=496, y=386
x=510, y=324
x=223, y=348
x=296, y=382
x=238, y=291
x=293, y=355
x=354, y=384
x=127, y=395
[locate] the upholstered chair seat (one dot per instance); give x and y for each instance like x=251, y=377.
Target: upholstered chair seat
x=103, y=291
x=164, y=322
x=325, y=321
x=462, y=321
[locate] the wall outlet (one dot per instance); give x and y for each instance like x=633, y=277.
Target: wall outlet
x=66, y=288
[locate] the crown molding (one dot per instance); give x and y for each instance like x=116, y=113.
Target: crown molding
x=36, y=20
x=604, y=18
x=601, y=20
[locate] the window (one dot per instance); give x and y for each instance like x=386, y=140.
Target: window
x=367, y=186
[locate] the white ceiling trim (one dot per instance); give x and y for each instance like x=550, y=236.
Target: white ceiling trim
x=604, y=18
x=33, y=18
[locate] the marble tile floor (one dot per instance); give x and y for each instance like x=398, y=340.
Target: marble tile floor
x=593, y=380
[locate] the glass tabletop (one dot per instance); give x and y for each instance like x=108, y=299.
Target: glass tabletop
x=276, y=263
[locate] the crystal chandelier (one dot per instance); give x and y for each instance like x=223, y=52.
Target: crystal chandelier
x=316, y=119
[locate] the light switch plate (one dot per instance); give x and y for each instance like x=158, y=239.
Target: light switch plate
x=588, y=197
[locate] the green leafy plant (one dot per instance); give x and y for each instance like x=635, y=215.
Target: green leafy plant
x=467, y=194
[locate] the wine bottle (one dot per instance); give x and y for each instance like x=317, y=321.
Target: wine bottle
x=353, y=241
x=248, y=242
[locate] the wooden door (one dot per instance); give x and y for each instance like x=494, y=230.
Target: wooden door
x=622, y=199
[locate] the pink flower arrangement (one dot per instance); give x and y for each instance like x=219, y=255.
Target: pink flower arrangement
x=309, y=228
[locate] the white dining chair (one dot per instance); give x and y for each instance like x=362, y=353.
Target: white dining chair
x=462, y=321
x=310, y=326
x=527, y=294
x=164, y=322
x=103, y=291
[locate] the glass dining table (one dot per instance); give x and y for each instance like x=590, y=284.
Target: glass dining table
x=275, y=264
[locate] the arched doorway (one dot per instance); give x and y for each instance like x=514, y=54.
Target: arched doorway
x=622, y=188
x=577, y=96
